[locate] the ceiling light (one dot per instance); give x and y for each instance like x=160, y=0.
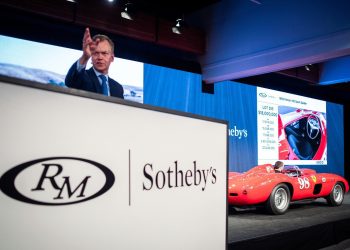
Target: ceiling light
x=126, y=13
x=177, y=28
x=308, y=67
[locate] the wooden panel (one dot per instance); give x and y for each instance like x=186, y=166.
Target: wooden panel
x=107, y=18
x=58, y=9
x=191, y=39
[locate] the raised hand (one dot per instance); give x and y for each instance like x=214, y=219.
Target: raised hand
x=89, y=47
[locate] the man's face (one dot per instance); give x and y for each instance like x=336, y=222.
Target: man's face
x=102, y=57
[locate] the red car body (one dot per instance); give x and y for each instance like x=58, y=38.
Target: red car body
x=260, y=184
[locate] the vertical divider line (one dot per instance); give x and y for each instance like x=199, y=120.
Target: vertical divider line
x=129, y=177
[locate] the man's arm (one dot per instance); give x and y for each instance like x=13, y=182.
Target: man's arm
x=74, y=75
x=88, y=47
x=73, y=79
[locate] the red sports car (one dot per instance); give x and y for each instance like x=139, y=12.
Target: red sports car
x=261, y=185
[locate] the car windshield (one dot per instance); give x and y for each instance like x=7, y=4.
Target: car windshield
x=293, y=171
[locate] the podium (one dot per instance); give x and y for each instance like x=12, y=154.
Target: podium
x=84, y=171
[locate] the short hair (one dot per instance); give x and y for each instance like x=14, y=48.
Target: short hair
x=279, y=164
x=104, y=38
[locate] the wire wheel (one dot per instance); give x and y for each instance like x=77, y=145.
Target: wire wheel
x=336, y=197
x=278, y=202
x=281, y=198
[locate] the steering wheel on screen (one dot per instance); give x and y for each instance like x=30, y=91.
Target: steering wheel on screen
x=313, y=127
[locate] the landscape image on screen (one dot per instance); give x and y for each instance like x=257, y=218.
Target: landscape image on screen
x=49, y=64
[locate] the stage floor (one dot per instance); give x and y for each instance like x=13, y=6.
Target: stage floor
x=255, y=225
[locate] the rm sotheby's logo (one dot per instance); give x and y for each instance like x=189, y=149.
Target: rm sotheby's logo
x=57, y=181
x=261, y=94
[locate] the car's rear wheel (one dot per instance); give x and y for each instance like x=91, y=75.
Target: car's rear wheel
x=336, y=197
x=278, y=202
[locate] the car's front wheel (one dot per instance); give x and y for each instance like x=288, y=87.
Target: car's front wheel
x=336, y=197
x=278, y=202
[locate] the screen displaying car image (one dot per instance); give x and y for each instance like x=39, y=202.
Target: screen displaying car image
x=291, y=128
x=49, y=64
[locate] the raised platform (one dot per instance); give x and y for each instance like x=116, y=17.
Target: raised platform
x=306, y=225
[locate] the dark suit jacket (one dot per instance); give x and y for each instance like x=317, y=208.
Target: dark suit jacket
x=87, y=80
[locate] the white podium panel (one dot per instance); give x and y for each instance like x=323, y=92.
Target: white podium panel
x=82, y=173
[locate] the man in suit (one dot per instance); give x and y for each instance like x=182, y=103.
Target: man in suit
x=100, y=49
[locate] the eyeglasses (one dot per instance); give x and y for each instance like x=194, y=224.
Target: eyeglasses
x=102, y=53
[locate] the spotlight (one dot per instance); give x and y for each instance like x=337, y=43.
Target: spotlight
x=308, y=67
x=126, y=13
x=177, y=29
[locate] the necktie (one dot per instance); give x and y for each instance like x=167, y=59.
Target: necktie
x=104, y=84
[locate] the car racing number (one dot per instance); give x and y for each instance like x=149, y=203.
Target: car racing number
x=304, y=183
